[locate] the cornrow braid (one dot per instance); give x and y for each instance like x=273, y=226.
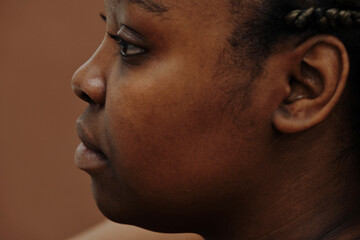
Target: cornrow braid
x=332, y=17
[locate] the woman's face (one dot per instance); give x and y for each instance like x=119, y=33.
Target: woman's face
x=162, y=96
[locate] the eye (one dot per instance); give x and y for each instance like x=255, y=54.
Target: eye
x=127, y=49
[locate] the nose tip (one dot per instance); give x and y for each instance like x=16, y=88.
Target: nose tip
x=88, y=85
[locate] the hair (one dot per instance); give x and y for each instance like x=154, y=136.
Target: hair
x=275, y=21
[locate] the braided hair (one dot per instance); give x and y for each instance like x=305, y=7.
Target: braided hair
x=279, y=19
x=342, y=15
x=274, y=21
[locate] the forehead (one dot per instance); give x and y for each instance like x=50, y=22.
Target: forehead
x=165, y=8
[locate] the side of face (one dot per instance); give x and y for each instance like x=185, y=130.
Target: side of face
x=164, y=119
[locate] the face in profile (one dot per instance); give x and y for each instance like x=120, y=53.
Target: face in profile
x=164, y=139
x=179, y=136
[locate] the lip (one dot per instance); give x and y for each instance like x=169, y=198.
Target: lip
x=89, y=160
x=88, y=156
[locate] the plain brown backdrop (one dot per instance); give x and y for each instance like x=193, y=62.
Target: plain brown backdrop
x=42, y=42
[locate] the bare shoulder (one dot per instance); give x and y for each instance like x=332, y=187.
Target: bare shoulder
x=111, y=231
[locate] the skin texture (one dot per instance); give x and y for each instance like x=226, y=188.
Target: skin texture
x=194, y=143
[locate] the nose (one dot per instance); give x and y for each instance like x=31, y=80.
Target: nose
x=89, y=81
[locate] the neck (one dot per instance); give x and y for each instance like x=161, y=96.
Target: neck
x=313, y=202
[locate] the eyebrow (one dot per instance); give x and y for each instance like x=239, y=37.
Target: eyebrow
x=151, y=6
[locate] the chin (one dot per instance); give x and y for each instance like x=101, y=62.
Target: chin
x=130, y=210
x=149, y=220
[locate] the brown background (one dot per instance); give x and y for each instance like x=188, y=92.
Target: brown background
x=42, y=42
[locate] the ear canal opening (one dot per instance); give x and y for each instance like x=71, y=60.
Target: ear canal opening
x=292, y=97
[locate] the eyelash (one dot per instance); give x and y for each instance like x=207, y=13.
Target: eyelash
x=126, y=46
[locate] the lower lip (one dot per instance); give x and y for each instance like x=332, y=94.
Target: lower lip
x=89, y=160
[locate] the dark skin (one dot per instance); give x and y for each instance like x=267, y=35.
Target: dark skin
x=173, y=143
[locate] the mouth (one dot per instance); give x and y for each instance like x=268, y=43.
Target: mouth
x=88, y=156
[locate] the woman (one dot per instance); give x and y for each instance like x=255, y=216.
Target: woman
x=231, y=119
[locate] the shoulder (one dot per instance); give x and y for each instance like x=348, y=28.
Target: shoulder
x=112, y=231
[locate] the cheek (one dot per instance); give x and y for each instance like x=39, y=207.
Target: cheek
x=168, y=138
x=153, y=129
x=169, y=150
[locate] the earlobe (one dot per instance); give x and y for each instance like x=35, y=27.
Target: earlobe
x=317, y=79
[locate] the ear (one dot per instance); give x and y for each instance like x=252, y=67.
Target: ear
x=317, y=78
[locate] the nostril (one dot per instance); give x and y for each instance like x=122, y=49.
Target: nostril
x=86, y=98
x=90, y=90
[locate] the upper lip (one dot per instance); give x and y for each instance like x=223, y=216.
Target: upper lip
x=86, y=137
